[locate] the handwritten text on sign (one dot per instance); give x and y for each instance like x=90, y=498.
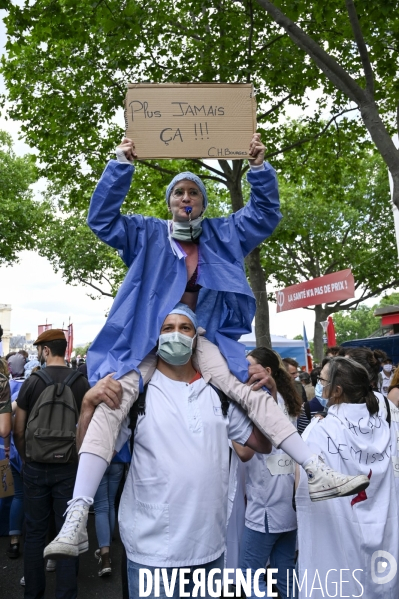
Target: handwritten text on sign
x=190, y=120
x=331, y=288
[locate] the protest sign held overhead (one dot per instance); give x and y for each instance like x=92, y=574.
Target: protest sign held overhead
x=190, y=120
x=330, y=288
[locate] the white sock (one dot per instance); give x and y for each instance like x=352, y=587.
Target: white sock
x=297, y=449
x=90, y=472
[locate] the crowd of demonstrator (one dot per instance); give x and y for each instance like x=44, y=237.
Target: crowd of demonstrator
x=264, y=525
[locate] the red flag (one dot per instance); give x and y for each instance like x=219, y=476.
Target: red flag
x=43, y=327
x=70, y=342
x=362, y=496
x=309, y=363
x=331, y=338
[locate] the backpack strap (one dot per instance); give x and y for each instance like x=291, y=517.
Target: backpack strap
x=69, y=381
x=388, y=411
x=138, y=408
x=306, y=407
x=44, y=376
x=224, y=400
x=71, y=378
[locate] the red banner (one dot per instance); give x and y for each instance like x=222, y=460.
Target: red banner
x=43, y=327
x=330, y=288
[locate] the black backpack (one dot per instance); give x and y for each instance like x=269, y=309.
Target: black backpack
x=50, y=435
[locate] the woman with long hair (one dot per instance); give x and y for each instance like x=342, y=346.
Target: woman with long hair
x=270, y=520
x=345, y=535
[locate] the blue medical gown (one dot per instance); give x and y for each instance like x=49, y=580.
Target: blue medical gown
x=157, y=276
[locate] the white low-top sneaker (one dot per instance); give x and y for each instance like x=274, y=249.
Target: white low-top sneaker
x=325, y=483
x=72, y=538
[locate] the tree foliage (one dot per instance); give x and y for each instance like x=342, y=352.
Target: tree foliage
x=357, y=324
x=21, y=217
x=361, y=323
x=337, y=215
x=356, y=49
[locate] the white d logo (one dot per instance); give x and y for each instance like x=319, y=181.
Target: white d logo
x=382, y=566
x=280, y=299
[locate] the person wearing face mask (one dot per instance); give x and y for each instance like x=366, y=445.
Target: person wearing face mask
x=340, y=541
x=270, y=520
x=385, y=377
x=177, y=518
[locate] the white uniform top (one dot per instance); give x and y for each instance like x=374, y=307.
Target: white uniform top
x=270, y=488
x=383, y=382
x=345, y=533
x=173, y=509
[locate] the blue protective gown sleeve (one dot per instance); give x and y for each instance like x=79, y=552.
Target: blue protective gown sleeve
x=261, y=215
x=104, y=217
x=157, y=277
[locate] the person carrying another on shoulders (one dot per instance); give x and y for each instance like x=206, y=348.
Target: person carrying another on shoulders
x=196, y=261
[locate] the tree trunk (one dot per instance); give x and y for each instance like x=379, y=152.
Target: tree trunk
x=320, y=315
x=256, y=275
x=258, y=286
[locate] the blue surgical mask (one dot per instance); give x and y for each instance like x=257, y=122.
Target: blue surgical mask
x=175, y=348
x=318, y=391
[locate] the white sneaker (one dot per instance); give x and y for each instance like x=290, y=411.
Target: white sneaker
x=51, y=565
x=22, y=581
x=325, y=483
x=72, y=538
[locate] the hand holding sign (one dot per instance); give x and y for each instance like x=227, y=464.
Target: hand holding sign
x=128, y=148
x=256, y=151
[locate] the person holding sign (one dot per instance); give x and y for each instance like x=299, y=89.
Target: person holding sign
x=199, y=262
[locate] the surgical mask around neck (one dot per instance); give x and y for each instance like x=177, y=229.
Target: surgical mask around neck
x=175, y=348
x=186, y=231
x=387, y=367
x=318, y=391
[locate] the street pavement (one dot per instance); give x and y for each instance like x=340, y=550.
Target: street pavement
x=90, y=585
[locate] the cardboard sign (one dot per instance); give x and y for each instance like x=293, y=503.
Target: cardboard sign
x=330, y=288
x=6, y=479
x=190, y=120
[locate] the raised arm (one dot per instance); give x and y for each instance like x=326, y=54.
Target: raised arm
x=105, y=218
x=261, y=215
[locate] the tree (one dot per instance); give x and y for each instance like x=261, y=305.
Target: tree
x=360, y=65
x=68, y=63
x=357, y=324
x=361, y=323
x=388, y=300
x=21, y=218
x=336, y=206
